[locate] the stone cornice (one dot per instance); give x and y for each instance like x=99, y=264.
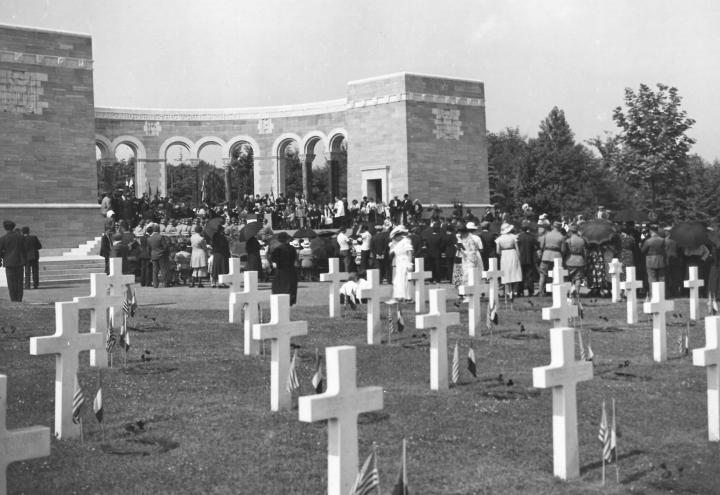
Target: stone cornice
x=420, y=97
x=46, y=60
x=53, y=206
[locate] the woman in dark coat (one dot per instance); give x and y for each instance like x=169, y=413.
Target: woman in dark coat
x=252, y=247
x=283, y=257
x=221, y=255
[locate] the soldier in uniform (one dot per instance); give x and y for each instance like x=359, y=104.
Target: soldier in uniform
x=576, y=256
x=552, y=246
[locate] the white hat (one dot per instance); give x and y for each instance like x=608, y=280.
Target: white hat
x=110, y=213
x=400, y=229
x=470, y=226
x=506, y=228
x=305, y=244
x=295, y=243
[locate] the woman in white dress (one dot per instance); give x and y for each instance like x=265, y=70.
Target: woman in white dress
x=468, y=258
x=198, y=257
x=402, y=249
x=509, y=252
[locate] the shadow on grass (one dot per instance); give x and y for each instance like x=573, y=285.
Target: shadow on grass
x=139, y=446
x=595, y=465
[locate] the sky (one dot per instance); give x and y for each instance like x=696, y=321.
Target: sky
x=532, y=55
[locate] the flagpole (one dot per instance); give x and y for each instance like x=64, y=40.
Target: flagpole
x=602, y=452
x=102, y=426
x=374, y=447
x=614, y=433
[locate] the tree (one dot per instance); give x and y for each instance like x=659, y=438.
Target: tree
x=507, y=156
x=655, y=144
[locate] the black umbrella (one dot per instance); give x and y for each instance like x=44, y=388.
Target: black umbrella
x=212, y=226
x=689, y=234
x=250, y=230
x=304, y=233
x=597, y=231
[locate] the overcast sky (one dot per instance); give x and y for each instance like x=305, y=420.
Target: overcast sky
x=532, y=55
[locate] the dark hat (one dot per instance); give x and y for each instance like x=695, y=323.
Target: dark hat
x=557, y=224
x=283, y=237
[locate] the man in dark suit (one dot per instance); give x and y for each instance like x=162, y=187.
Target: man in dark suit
x=158, y=256
x=434, y=240
x=32, y=256
x=12, y=252
x=527, y=245
x=488, y=242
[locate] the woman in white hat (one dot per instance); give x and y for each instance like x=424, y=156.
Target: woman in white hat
x=467, y=257
x=401, y=249
x=509, y=252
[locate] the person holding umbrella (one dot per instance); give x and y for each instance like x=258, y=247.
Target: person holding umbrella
x=221, y=255
x=283, y=258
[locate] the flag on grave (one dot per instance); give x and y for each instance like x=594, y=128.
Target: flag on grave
x=472, y=365
x=317, y=379
x=129, y=302
x=292, y=380
x=401, y=485
x=456, y=363
x=368, y=479
x=124, y=334
x=78, y=401
x=605, y=436
x=390, y=321
x=714, y=307
x=492, y=317
x=590, y=354
x=583, y=357
x=97, y=405
x=110, y=337
x=400, y=320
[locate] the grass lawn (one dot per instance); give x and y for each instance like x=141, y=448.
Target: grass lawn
x=189, y=413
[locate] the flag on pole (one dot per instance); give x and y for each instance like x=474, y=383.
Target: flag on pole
x=583, y=357
x=401, y=486
x=292, y=380
x=456, y=363
x=590, y=354
x=714, y=307
x=492, y=317
x=110, y=337
x=129, y=303
x=400, y=320
x=472, y=365
x=124, y=333
x=317, y=379
x=203, y=191
x=368, y=479
x=391, y=322
x=605, y=436
x=97, y=405
x=78, y=401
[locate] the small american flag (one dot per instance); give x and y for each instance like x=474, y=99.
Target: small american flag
x=368, y=479
x=293, y=383
x=456, y=363
x=605, y=435
x=78, y=401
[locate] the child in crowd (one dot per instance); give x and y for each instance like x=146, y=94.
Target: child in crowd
x=182, y=261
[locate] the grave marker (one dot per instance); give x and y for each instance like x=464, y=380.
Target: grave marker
x=335, y=277
x=21, y=444
x=340, y=405
x=558, y=274
x=234, y=277
x=694, y=285
x=418, y=278
x=371, y=290
x=437, y=320
x=709, y=356
x=615, y=269
x=563, y=375
x=251, y=296
x=630, y=285
x=562, y=310
x=67, y=343
x=493, y=274
x=279, y=330
x=473, y=290
x=658, y=306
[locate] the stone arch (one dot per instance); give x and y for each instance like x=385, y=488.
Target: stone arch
x=242, y=138
x=162, y=151
x=314, y=148
x=333, y=135
x=279, y=148
x=238, y=179
x=311, y=138
x=195, y=150
x=104, y=144
x=133, y=142
x=337, y=160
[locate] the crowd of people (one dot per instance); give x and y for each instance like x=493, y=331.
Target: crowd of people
x=19, y=254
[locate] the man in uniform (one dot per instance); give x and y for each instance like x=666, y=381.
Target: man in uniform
x=654, y=250
x=576, y=257
x=552, y=246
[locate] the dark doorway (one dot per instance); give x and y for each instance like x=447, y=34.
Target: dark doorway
x=374, y=189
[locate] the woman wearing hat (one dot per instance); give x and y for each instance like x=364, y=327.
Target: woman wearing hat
x=467, y=256
x=198, y=257
x=507, y=248
x=401, y=249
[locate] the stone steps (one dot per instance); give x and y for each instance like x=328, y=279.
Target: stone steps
x=60, y=269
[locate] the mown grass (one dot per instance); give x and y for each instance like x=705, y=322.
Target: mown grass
x=207, y=427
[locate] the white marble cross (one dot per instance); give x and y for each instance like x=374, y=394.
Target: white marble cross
x=251, y=296
x=280, y=330
x=658, y=306
x=116, y=281
x=418, y=278
x=67, y=343
x=335, y=277
x=615, y=269
x=371, y=290
x=709, y=356
x=438, y=320
x=630, y=285
x=562, y=376
x=21, y=444
x=234, y=277
x=493, y=275
x=340, y=405
x=694, y=285
x=558, y=274
x=562, y=310
x=472, y=291
x=98, y=302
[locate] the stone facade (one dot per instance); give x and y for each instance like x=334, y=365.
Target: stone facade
x=47, y=134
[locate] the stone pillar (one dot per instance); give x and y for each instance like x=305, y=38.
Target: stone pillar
x=306, y=162
x=331, y=175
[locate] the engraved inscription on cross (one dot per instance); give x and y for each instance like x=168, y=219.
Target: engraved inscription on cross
x=280, y=330
x=658, y=306
x=21, y=444
x=371, y=290
x=99, y=302
x=615, y=269
x=418, y=277
x=252, y=297
x=562, y=310
x=694, y=284
x=66, y=343
x=472, y=292
x=492, y=274
x=709, y=356
x=335, y=277
x=340, y=405
x=562, y=375
x=630, y=286
x=438, y=320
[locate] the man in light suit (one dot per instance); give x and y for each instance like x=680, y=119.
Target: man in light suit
x=12, y=252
